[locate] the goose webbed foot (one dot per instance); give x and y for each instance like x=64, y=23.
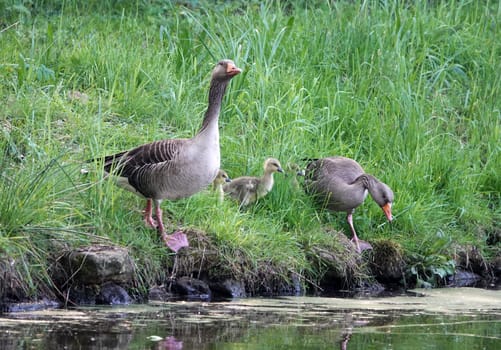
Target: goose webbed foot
x=175, y=241
x=361, y=245
x=150, y=222
x=364, y=245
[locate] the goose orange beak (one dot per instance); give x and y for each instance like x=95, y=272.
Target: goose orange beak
x=233, y=70
x=387, y=210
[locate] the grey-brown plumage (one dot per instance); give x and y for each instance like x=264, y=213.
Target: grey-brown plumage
x=217, y=185
x=175, y=168
x=340, y=184
x=248, y=189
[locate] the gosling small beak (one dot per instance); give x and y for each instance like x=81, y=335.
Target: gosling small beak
x=387, y=210
x=233, y=70
x=227, y=179
x=280, y=170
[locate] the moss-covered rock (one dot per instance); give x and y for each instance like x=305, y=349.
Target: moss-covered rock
x=98, y=264
x=386, y=261
x=338, y=264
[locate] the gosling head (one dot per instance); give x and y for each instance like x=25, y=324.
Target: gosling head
x=221, y=178
x=272, y=165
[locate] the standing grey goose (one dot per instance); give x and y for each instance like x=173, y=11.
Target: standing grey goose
x=248, y=189
x=217, y=184
x=175, y=168
x=341, y=184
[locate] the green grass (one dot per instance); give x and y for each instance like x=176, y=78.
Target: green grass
x=410, y=90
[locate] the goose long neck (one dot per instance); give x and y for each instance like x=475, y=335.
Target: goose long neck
x=216, y=93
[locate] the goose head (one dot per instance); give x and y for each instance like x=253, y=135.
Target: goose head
x=225, y=70
x=272, y=165
x=383, y=196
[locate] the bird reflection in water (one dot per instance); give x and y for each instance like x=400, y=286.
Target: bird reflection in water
x=346, y=330
x=170, y=343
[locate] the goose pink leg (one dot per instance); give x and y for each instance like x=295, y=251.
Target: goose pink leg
x=175, y=241
x=148, y=218
x=359, y=244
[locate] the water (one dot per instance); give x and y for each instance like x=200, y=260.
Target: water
x=463, y=318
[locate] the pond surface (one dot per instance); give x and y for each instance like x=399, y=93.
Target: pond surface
x=463, y=318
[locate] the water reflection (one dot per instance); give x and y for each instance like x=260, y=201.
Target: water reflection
x=284, y=323
x=347, y=331
x=170, y=343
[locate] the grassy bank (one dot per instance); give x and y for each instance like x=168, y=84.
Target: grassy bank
x=411, y=91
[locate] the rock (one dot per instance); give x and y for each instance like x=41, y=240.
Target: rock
x=192, y=288
x=107, y=294
x=98, y=265
x=79, y=294
x=95, y=275
x=228, y=288
x=464, y=279
x=112, y=294
x=159, y=293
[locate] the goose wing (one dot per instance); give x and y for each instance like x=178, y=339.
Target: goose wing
x=126, y=163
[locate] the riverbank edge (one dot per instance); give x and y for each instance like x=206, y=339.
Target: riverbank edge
x=194, y=274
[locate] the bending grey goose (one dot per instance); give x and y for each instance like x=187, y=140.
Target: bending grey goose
x=248, y=189
x=217, y=184
x=341, y=184
x=175, y=168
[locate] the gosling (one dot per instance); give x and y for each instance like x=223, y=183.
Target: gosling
x=217, y=185
x=248, y=189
